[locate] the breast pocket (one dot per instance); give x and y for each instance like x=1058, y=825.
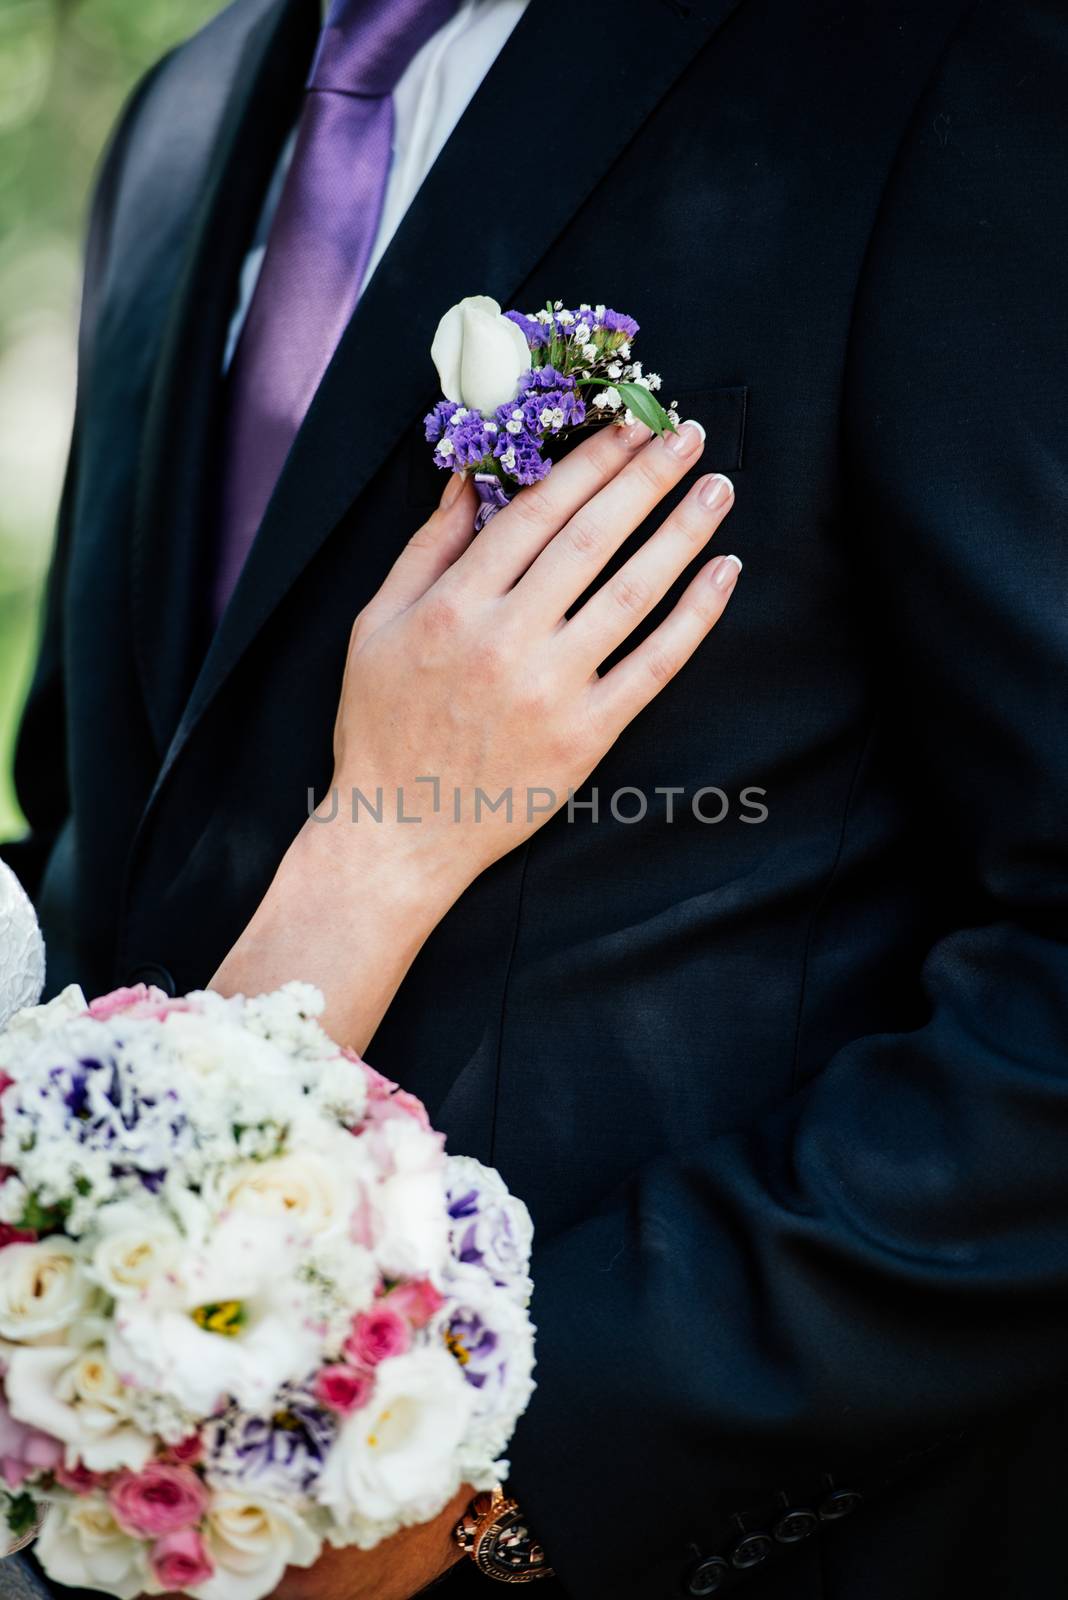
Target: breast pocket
x=723, y=413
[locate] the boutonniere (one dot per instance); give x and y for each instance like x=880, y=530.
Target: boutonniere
x=517, y=384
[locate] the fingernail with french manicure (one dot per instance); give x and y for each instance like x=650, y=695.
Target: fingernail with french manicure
x=715, y=491
x=724, y=572
x=636, y=433
x=685, y=440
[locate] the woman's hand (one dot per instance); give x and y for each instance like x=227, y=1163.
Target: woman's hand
x=471, y=676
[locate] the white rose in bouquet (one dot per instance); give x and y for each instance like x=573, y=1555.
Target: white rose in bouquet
x=250, y=1542
x=43, y=1288
x=138, y=1243
x=76, y=1396
x=81, y=1544
x=302, y=1189
x=480, y=354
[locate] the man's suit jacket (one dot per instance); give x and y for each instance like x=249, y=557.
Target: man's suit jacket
x=789, y=1100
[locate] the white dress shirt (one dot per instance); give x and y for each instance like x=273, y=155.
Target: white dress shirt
x=428, y=101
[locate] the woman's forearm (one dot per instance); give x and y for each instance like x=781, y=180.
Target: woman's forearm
x=348, y=910
x=472, y=663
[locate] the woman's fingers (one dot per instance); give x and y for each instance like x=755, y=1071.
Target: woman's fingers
x=570, y=563
x=513, y=538
x=611, y=615
x=431, y=550
x=628, y=688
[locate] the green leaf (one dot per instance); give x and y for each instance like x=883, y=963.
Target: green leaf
x=40, y=1218
x=646, y=407
x=21, y=1514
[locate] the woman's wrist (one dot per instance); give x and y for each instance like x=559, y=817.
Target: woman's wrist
x=348, y=910
x=409, y=878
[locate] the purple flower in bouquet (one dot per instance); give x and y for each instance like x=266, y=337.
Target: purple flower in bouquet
x=486, y=1333
x=279, y=1454
x=486, y=1228
x=113, y=1106
x=515, y=383
x=475, y=1345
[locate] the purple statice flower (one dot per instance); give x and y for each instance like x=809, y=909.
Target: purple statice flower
x=551, y=401
x=547, y=402
x=279, y=1454
x=521, y=457
x=534, y=332
x=435, y=421
x=462, y=438
x=618, y=322
x=472, y=439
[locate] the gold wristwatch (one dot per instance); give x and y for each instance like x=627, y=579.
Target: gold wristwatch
x=493, y=1533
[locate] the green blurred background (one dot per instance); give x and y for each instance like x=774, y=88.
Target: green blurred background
x=65, y=68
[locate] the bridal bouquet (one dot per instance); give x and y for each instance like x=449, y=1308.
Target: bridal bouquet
x=515, y=384
x=246, y=1302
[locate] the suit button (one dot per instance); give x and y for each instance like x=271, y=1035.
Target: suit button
x=752, y=1550
x=155, y=975
x=709, y=1576
x=795, y=1525
x=842, y=1503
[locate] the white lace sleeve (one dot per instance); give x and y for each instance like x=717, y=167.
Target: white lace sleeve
x=22, y=956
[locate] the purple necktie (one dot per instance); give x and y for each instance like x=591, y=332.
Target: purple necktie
x=317, y=253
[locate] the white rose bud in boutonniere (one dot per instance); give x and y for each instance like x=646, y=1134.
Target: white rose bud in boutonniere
x=480, y=354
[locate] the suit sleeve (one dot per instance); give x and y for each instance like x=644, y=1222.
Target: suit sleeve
x=884, y=1259
x=41, y=783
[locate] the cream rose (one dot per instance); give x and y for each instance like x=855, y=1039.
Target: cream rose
x=251, y=1542
x=43, y=1288
x=137, y=1244
x=397, y=1456
x=480, y=354
x=82, y=1545
x=300, y=1187
x=76, y=1396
